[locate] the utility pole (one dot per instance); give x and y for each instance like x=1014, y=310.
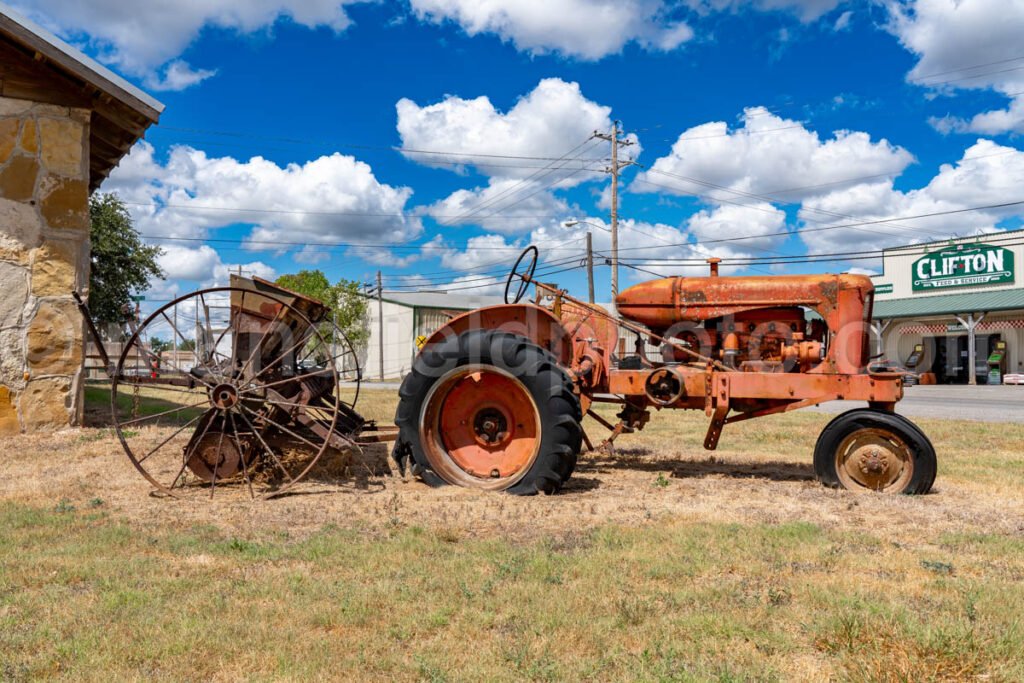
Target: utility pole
x=380, y=324
x=614, y=169
x=590, y=269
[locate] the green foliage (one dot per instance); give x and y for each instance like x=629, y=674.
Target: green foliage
x=312, y=283
x=122, y=265
x=159, y=345
x=350, y=308
x=187, y=345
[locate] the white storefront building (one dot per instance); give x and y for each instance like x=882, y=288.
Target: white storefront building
x=957, y=302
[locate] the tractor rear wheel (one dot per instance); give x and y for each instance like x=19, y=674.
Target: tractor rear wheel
x=490, y=410
x=871, y=450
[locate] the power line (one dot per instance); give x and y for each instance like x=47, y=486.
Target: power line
x=969, y=78
x=498, y=281
x=490, y=273
x=748, y=132
x=849, y=225
x=533, y=176
x=304, y=212
x=503, y=262
x=402, y=150
x=286, y=243
x=492, y=278
x=967, y=68
x=773, y=200
x=894, y=173
x=833, y=256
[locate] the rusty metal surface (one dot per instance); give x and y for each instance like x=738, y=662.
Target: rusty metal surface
x=758, y=323
x=480, y=428
x=264, y=380
x=874, y=460
x=738, y=348
x=528, y=320
x=659, y=304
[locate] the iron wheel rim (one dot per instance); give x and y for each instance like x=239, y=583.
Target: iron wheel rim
x=437, y=444
x=238, y=418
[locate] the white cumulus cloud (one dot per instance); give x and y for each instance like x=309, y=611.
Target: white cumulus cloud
x=204, y=267
x=140, y=37
x=529, y=204
x=328, y=199
x=593, y=29
x=973, y=45
x=987, y=174
x=586, y=29
x=761, y=225
x=768, y=155
x=177, y=75
x=805, y=10
x=549, y=121
x=553, y=119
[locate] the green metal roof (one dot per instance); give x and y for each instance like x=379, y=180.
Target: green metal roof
x=949, y=304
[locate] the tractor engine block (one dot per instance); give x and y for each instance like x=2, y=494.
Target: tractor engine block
x=785, y=323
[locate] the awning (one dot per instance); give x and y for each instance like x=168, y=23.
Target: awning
x=950, y=304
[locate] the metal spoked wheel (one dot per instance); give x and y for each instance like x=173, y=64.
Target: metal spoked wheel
x=234, y=389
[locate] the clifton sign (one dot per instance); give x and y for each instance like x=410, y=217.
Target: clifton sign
x=966, y=265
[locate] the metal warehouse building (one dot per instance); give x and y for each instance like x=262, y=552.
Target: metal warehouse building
x=403, y=317
x=957, y=303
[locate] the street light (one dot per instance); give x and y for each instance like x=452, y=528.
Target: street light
x=571, y=224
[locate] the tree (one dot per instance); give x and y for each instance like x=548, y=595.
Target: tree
x=122, y=265
x=348, y=306
x=312, y=283
x=158, y=345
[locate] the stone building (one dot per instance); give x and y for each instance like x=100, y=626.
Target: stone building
x=65, y=123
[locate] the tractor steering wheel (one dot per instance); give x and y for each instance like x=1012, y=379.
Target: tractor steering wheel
x=525, y=275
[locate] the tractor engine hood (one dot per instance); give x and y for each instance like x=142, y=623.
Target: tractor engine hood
x=659, y=304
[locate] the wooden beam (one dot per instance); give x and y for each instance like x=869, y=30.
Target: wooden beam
x=120, y=116
x=115, y=137
x=104, y=152
x=69, y=64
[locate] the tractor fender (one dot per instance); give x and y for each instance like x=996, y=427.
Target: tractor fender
x=536, y=323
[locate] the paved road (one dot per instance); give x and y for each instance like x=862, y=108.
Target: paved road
x=981, y=404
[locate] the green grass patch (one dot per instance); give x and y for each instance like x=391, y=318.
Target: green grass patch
x=85, y=596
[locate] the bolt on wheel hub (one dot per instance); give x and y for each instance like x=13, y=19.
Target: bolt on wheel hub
x=490, y=426
x=480, y=427
x=224, y=396
x=874, y=459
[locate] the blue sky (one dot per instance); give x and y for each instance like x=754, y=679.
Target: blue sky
x=754, y=119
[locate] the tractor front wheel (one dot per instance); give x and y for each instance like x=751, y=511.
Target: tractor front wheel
x=871, y=450
x=490, y=410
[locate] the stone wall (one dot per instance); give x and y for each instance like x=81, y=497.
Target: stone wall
x=44, y=255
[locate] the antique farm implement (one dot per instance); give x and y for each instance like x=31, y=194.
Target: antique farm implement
x=243, y=387
x=496, y=397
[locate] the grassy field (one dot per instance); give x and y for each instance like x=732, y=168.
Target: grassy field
x=658, y=563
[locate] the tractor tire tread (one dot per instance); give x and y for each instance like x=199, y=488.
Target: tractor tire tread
x=925, y=461
x=535, y=367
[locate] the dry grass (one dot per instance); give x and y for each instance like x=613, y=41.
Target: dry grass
x=661, y=563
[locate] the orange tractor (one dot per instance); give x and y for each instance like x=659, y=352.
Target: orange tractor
x=496, y=398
